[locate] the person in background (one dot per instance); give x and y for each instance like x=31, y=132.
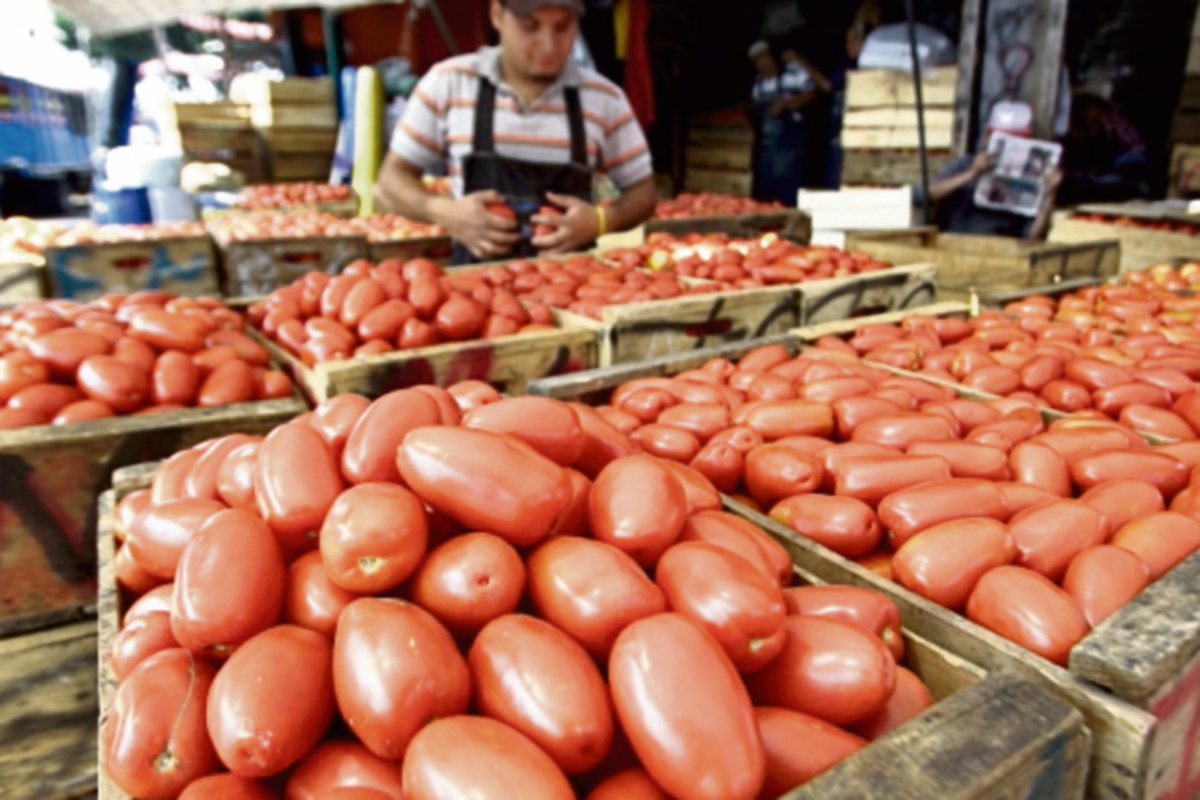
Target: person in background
x=801, y=78
x=520, y=128
x=953, y=189
x=1104, y=157
x=856, y=36
x=779, y=156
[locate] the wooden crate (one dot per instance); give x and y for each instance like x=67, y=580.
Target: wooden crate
x=895, y=138
x=437, y=249
x=508, y=362
x=1185, y=171
x=259, y=266
x=859, y=209
x=256, y=91
x=721, y=181
x=209, y=112
x=1140, y=247
x=301, y=166
x=301, y=115
x=300, y=140
x=184, y=266
x=988, y=263
x=889, y=167
x=892, y=289
x=789, y=223
x=936, y=118
x=21, y=282
x=197, y=138
x=1033, y=746
x=870, y=88
x=721, y=155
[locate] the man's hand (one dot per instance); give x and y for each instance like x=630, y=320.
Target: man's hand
x=485, y=234
x=572, y=230
x=1053, y=179
x=982, y=164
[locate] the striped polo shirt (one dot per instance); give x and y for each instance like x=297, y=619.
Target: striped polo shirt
x=438, y=125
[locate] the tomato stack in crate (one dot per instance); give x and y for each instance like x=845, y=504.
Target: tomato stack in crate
x=447, y=593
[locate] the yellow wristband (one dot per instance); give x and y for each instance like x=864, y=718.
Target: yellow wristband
x=601, y=221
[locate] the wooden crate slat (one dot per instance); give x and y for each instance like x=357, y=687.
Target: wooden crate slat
x=721, y=181
x=905, y=138
x=21, y=282
x=720, y=156
x=185, y=266
x=1140, y=247
x=892, y=289
x=791, y=223
x=898, y=117
x=889, y=167
x=259, y=266
x=438, y=249
x=882, y=87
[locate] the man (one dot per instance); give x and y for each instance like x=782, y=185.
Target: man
x=1104, y=157
x=954, y=187
x=519, y=129
x=778, y=97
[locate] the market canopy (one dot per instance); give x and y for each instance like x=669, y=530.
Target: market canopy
x=110, y=17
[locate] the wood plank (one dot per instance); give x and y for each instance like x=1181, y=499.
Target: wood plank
x=951, y=309
x=721, y=181
x=895, y=138
x=300, y=140
x=899, y=117
x=438, y=249
x=720, y=156
x=259, y=266
x=48, y=713
x=791, y=224
x=21, y=282
x=867, y=88
x=209, y=112
x=185, y=266
x=294, y=116
x=895, y=289
x=255, y=90
x=968, y=68
x=1140, y=247
x=301, y=166
x=889, y=167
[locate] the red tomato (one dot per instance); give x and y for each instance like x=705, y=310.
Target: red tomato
x=1049, y=536
x=776, y=471
x=486, y=481
x=82, y=411
x=470, y=581
x=373, y=537
x=471, y=394
x=872, y=479
x=631, y=784
x=129, y=507
x=602, y=442
x=831, y=670
x=909, y=699
x=639, y=506
x=1040, y=465
x=272, y=701
x=1025, y=607
x=231, y=382
x=296, y=481
x=1165, y=473
x=721, y=463
x=591, y=590
x=1102, y=579
x=123, y=387
x=229, y=585
x=130, y=575
x=312, y=600
x=729, y=597
x=202, y=478
x=235, y=478
x=157, y=536
x=944, y=562
x=702, y=420
x=337, y=765
x=776, y=419
x=168, y=331
x=532, y=676
x=19, y=369
x=1157, y=421
x=459, y=318
x=909, y=511
x=45, y=399
x=742, y=537
x=447, y=405
x=334, y=419
x=170, y=479
x=686, y=711
x=700, y=493
x=394, y=668
x=1160, y=540
x=667, y=442
x=799, y=747
x=363, y=297
x=226, y=787
x=473, y=757
x=176, y=379
x=548, y=426
x=862, y=608
x=139, y=639
x=64, y=349
x=847, y=526
x=370, y=452
x=154, y=741
x=968, y=459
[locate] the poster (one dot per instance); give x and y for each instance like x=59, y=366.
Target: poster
x=1017, y=183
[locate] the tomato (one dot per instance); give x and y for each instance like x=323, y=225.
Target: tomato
x=168, y=331
x=364, y=296
x=1157, y=421
x=638, y=505
x=45, y=399
x=902, y=431
x=1049, y=536
x=702, y=420
x=743, y=538
x=334, y=765
x=1102, y=579
x=296, y=481
x=231, y=382
x=862, y=608
x=311, y=599
x=175, y=379
x=763, y=358
x=272, y=701
x=18, y=370
x=202, y=478
x=1165, y=473
x=909, y=699
x=157, y=536
x=1025, y=607
x=667, y=442
x=229, y=585
x=720, y=462
x=872, y=479
x=139, y=639
x=123, y=387
x=843, y=524
x=447, y=405
x=370, y=451
x=548, y=426
x=486, y=481
x=226, y=787
x=968, y=459
x=1096, y=374
x=334, y=419
x=909, y=511
x=469, y=581
x=373, y=537
x=129, y=507
x=82, y=411
x=1073, y=443
x=235, y=478
x=775, y=471
x=1040, y=465
x=686, y=711
x=477, y=757
x=646, y=403
x=591, y=590
x=130, y=575
x=630, y=784
x=63, y=350
x=799, y=747
x=602, y=442
x=471, y=394
x=944, y=562
x=1160, y=540
x=776, y=419
x=247, y=349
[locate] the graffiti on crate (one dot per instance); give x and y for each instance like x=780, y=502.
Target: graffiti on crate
x=1181, y=707
x=780, y=317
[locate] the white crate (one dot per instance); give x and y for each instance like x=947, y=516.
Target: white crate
x=858, y=209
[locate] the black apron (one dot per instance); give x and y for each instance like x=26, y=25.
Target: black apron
x=523, y=184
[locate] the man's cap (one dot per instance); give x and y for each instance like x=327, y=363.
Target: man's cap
x=1011, y=117
x=523, y=8
x=759, y=48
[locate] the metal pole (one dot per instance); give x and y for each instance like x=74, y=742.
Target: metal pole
x=333, y=60
x=920, y=95
x=436, y=12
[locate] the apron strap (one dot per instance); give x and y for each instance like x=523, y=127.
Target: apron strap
x=575, y=120
x=485, y=112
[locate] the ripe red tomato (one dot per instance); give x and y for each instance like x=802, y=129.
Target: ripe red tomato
x=686, y=710
x=862, y=608
x=122, y=386
x=602, y=442
x=336, y=765
x=1039, y=465
x=943, y=563
x=742, y=537
x=799, y=747
x=235, y=477
x=969, y=460
x=472, y=394
x=272, y=701
x=394, y=668
x=374, y=537
x=639, y=506
x=202, y=479
x=843, y=524
x=776, y=471
x=64, y=349
x=157, y=536
x=229, y=585
x=630, y=784
x=1025, y=607
x=1048, y=537
x=370, y=451
x=872, y=479
x=296, y=481
x=1123, y=501
x=909, y=511
x=470, y=581
x=311, y=599
x=226, y=787
x=1165, y=473
x=154, y=741
x=591, y=590
x=479, y=757
x=139, y=639
x=909, y=699
x=1160, y=540
x=127, y=509
x=548, y=426
x=1102, y=579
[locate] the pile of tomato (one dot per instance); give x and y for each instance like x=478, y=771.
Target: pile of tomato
x=270, y=224
x=1166, y=277
x=142, y=353
x=370, y=310
x=443, y=593
x=89, y=233
x=708, y=204
x=744, y=263
x=1168, y=226
x=286, y=195
x=387, y=227
x=1037, y=533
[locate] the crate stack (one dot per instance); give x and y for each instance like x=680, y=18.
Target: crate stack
x=1185, y=128
x=219, y=133
x=720, y=155
x=297, y=119
x=880, y=139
